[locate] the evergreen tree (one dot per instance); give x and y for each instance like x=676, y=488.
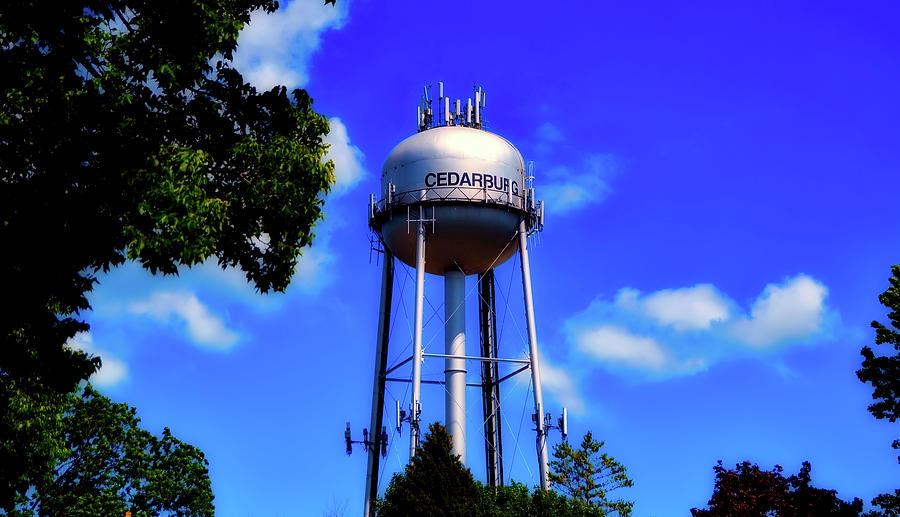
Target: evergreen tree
x=435, y=483
x=589, y=476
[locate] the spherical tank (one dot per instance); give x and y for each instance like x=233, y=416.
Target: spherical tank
x=469, y=184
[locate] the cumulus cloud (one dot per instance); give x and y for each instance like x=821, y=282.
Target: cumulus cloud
x=549, y=132
x=561, y=386
x=612, y=343
x=683, y=330
x=566, y=178
x=567, y=190
x=111, y=372
x=274, y=49
x=203, y=327
x=348, y=169
x=310, y=273
x=688, y=308
x=792, y=310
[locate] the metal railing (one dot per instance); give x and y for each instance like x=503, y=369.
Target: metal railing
x=525, y=203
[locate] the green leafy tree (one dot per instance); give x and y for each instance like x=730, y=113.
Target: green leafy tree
x=32, y=439
x=590, y=476
x=435, y=482
x=109, y=465
x=126, y=134
x=514, y=500
x=749, y=491
x=883, y=373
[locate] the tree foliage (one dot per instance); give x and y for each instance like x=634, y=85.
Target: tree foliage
x=590, y=476
x=883, y=373
x=515, y=500
x=126, y=134
x=106, y=464
x=32, y=438
x=749, y=491
x=435, y=482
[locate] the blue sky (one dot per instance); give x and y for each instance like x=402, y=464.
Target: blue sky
x=720, y=184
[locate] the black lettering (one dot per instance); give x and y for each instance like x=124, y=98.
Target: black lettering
x=505, y=185
x=453, y=179
x=476, y=178
x=465, y=179
x=442, y=179
x=488, y=184
x=515, y=188
x=429, y=179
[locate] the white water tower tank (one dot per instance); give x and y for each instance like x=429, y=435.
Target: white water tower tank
x=471, y=183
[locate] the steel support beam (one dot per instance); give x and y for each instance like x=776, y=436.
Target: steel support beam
x=381, y=353
x=490, y=387
x=541, y=440
x=416, y=405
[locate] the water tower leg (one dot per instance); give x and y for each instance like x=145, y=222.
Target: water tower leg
x=490, y=389
x=533, y=352
x=455, y=368
x=416, y=405
x=381, y=350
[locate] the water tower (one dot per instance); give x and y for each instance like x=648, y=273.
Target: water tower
x=455, y=201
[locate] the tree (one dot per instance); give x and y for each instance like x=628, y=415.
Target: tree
x=125, y=134
x=749, y=491
x=589, y=476
x=120, y=139
x=110, y=465
x=514, y=500
x=435, y=482
x=883, y=373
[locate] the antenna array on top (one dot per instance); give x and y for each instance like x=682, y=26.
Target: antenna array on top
x=473, y=116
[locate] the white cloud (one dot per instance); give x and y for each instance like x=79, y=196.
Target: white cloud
x=549, y=132
x=310, y=273
x=792, y=310
x=313, y=273
x=275, y=48
x=564, y=187
x=561, y=386
x=683, y=330
x=688, y=308
x=112, y=370
x=348, y=169
x=612, y=343
x=203, y=327
x=568, y=190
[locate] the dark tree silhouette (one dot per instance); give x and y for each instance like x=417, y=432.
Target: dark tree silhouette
x=749, y=491
x=435, y=483
x=883, y=373
x=126, y=134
